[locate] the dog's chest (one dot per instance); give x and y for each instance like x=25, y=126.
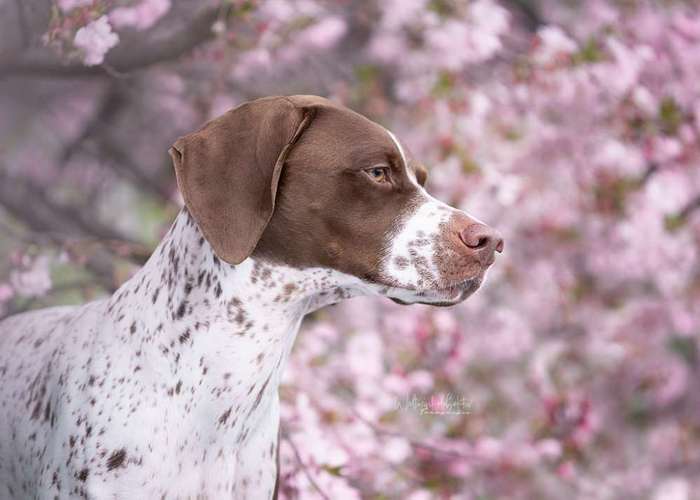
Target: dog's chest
x=193, y=392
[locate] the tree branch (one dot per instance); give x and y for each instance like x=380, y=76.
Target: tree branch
x=50, y=216
x=689, y=208
x=22, y=22
x=308, y=475
x=109, y=107
x=137, y=51
x=530, y=11
x=51, y=222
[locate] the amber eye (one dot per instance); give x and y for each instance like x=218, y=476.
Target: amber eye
x=378, y=174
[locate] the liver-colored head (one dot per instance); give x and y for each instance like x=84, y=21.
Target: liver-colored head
x=305, y=182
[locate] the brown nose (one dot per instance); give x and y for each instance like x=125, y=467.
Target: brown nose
x=483, y=241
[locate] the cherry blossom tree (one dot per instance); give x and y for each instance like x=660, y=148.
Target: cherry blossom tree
x=573, y=127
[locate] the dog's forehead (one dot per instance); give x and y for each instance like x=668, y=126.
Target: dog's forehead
x=341, y=137
x=350, y=124
x=347, y=135
x=370, y=141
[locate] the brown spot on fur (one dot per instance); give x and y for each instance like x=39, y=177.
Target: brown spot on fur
x=181, y=310
x=401, y=262
x=260, y=394
x=37, y=411
x=116, y=459
x=185, y=336
x=224, y=417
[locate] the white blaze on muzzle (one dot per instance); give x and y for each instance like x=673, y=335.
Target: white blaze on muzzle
x=410, y=262
x=425, y=260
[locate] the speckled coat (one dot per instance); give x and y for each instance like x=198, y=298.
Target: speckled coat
x=168, y=389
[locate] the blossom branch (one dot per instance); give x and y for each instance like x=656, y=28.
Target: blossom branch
x=135, y=52
x=108, y=109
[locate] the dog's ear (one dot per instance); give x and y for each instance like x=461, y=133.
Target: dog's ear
x=228, y=171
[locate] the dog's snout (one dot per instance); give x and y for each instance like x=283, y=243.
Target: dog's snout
x=483, y=241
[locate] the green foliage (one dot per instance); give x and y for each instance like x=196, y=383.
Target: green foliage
x=684, y=347
x=670, y=115
x=589, y=53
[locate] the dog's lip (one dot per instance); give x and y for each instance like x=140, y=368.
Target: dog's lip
x=444, y=296
x=463, y=285
x=457, y=292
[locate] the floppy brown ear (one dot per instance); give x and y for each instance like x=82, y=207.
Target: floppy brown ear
x=228, y=171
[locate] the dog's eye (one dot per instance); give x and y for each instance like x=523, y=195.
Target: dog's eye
x=378, y=174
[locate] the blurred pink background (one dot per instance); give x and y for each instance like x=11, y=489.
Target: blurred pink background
x=573, y=127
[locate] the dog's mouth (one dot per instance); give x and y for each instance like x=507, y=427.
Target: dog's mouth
x=441, y=297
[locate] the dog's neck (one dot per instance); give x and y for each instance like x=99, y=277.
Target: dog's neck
x=218, y=334
x=193, y=280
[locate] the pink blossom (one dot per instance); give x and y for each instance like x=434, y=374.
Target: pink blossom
x=387, y=46
x=670, y=381
x=34, y=279
x=403, y=12
x=687, y=24
x=456, y=44
x=623, y=74
x=674, y=488
x=396, y=450
x=645, y=100
x=420, y=495
x=489, y=449
x=141, y=16
x=396, y=384
x=554, y=44
x=95, y=40
x=324, y=34
x=549, y=448
x=251, y=61
x=491, y=20
x=6, y=292
x=364, y=354
x=664, y=441
x=567, y=470
x=665, y=149
x=421, y=380
x=620, y=158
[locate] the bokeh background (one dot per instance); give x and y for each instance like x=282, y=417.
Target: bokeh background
x=571, y=126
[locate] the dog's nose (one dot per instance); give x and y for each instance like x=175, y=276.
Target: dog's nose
x=483, y=241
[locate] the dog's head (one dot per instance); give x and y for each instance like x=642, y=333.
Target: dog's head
x=302, y=181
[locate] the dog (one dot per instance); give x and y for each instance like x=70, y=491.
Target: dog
x=169, y=388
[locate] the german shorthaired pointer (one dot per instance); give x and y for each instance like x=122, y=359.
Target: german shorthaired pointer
x=168, y=388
